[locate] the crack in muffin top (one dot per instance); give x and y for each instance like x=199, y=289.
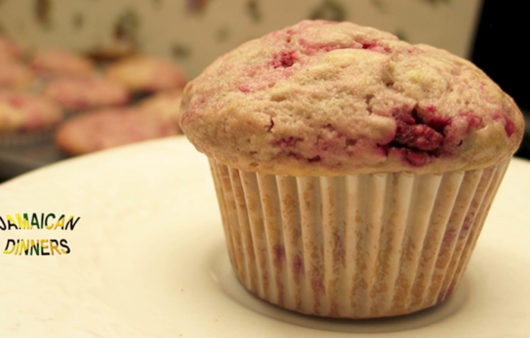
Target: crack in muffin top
x=327, y=98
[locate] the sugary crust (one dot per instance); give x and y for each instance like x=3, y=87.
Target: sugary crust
x=108, y=128
x=81, y=93
x=325, y=98
x=146, y=74
x=36, y=112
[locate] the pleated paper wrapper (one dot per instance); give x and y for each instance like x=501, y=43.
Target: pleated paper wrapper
x=356, y=246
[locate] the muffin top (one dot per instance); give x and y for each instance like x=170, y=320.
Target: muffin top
x=10, y=118
x=164, y=104
x=56, y=62
x=80, y=93
x=110, y=127
x=9, y=49
x=326, y=98
x=15, y=74
x=141, y=73
x=33, y=112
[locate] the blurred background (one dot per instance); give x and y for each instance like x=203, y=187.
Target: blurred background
x=190, y=34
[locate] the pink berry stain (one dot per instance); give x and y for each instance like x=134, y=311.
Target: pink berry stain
x=298, y=266
x=284, y=59
x=418, y=139
x=509, y=126
x=279, y=254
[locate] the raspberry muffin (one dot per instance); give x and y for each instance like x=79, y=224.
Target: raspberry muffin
x=11, y=119
x=26, y=118
x=143, y=74
x=109, y=128
x=82, y=93
x=15, y=75
x=354, y=171
x=9, y=49
x=54, y=62
x=165, y=104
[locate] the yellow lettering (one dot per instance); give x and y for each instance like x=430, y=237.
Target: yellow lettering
x=11, y=222
x=54, y=245
x=7, y=250
x=44, y=245
x=60, y=223
x=34, y=248
x=23, y=247
x=22, y=222
x=49, y=226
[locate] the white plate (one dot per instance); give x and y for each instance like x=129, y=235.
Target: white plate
x=148, y=259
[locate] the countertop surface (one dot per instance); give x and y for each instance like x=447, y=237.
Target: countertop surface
x=141, y=253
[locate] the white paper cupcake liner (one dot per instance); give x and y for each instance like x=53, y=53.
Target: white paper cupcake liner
x=357, y=246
